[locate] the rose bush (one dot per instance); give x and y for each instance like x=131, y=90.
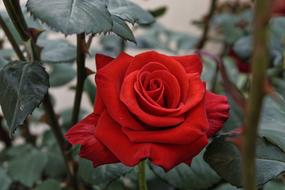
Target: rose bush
x=149, y=106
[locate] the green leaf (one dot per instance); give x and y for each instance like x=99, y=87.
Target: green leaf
x=158, y=12
x=5, y=180
x=130, y=12
x=57, y=51
x=197, y=176
x=61, y=74
x=27, y=168
x=122, y=29
x=274, y=185
x=226, y=187
x=49, y=184
x=3, y=62
x=224, y=157
x=272, y=123
x=101, y=176
x=23, y=87
x=72, y=16
x=243, y=47
x=19, y=150
x=55, y=166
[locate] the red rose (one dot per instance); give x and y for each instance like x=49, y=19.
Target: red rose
x=242, y=65
x=278, y=8
x=149, y=106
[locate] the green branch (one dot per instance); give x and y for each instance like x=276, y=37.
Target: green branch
x=206, y=29
x=81, y=76
x=258, y=66
x=142, y=175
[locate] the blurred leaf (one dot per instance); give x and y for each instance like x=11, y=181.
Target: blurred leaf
x=243, y=47
x=5, y=180
x=158, y=12
x=224, y=157
x=90, y=89
x=272, y=123
x=122, y=29
x=72, y=17
x=159, y=37
x=226, y=187
x=274, y=185
x=3, y=61
x=111, y=45
x=101, y=176
x=279, y=84
x=197, y=176
x=228, y=23
x=277, y=35
x=130, y=12
x=55, y=166
x=86, y=171
x=236, y=117
x=19, y=150
x=23, y=87
x=57, y=51
x=49, y=184
x=27, y=168
x=61, y=74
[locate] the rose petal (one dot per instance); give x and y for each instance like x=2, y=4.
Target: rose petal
x=192, y=128
x=108, y=81
x=128, y=97
x=129, y=153
x=102, y=60
x=169, y=62
x=217, y=109
x=191, y=63
x=83, y=133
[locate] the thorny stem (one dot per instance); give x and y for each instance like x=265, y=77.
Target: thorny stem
x=11, y=39
x=258, y=66
x=142, y=175
x=4, y=135
x=81, y=76
x=209, y=16
x=15, y=13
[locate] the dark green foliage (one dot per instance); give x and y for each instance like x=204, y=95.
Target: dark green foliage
x=23, y=86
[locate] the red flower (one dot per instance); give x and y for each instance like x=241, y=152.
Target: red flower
x=149, y=106
x=278, y=8
x=242, y=65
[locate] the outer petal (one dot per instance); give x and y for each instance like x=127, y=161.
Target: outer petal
x=83, y=133
x=217, y=109
x=191, y=63
x=129, y=153
x=109, y=80
x=102, y=60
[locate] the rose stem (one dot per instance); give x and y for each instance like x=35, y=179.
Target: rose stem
x=257, y=92
x=21, y=26
x=142, y=175
x=4, y=135
x=81, y=76
x=208, y=18
x=11, y=39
